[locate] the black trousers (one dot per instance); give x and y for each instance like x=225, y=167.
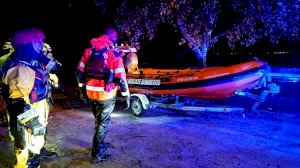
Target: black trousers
x=102, y=111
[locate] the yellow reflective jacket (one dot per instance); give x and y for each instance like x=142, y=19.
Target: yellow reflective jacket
x=20, y=80
x=47, y=50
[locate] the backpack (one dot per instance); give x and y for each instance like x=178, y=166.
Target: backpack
x=96, y=67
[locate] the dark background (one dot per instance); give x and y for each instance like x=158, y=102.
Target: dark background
x=69, y=25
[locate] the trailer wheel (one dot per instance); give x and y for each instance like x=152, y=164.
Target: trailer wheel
x=136, y=107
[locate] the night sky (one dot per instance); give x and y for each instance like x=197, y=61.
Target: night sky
x=69, y=25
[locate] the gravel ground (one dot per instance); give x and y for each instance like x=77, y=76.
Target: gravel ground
x=168, y=138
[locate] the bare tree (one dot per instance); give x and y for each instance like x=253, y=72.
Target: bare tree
x=199, y=22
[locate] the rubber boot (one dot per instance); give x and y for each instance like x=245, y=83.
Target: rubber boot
x=33, y=162
x=108, y=145
x=100, y=154
x=47, y=154
x=101, y=157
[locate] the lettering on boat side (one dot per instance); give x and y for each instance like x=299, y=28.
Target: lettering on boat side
x=185, y=79
x=150, y=82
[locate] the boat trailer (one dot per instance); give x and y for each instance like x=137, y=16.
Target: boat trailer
x=141, y=102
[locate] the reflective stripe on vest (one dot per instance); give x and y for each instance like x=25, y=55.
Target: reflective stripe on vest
x=94, y=88
x=125, y=93
x=119, y=70
x=98, y=93
x=81, y=64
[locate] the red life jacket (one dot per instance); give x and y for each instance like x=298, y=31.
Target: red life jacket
x=101, y=68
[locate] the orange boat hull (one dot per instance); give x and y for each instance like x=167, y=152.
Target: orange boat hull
x=205, y=83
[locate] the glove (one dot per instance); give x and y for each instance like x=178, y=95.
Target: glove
x=36, y=127
x=52, y=65
x=56, y=68
x=83, y=95
x=53, y=78
x=30, y=120
x=84, y=98
x=80, y=77
x=20, y=139
x=127, y=102
x=122, y=84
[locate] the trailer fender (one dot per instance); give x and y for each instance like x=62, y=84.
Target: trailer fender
x=143, y=98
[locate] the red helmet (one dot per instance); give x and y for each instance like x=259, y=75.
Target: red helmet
x=112, y=34
x=27, y=36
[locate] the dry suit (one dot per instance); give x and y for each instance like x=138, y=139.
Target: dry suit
x=25, y=95
x=52, y=77
x=100, y=73
x=25, y=92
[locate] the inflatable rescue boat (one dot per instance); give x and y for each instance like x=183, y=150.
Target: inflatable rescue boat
x=211, y=83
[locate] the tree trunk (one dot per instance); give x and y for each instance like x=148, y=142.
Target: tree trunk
x=201, y=53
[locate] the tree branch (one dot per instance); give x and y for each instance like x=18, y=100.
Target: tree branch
x=216, y=37
x=183, y=31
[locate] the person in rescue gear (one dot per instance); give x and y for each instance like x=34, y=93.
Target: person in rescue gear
x=47, y=51
x=52, y=77
x=25, y=93
x=8, y=49
x=100, y=73
x=131, y=63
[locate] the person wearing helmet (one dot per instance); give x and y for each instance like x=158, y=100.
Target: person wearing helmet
x=8, y=49
x=25, y=93
x=52, y=77
x=131, y=63
x=99, y=73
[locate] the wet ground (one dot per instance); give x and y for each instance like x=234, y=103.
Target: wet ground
x=268, y=138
